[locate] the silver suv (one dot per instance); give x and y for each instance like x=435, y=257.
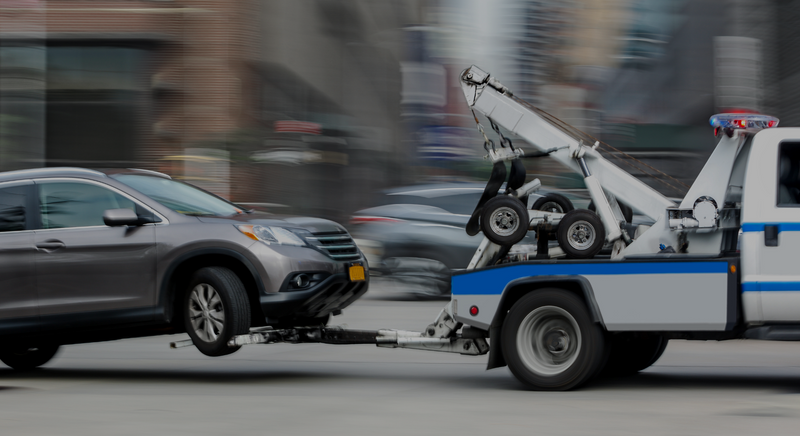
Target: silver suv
x=90, y=256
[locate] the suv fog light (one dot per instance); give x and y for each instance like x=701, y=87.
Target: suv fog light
x=301, y=281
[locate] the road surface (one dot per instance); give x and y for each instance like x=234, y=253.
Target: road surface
x=140, y=386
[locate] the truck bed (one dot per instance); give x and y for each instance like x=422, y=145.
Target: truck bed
x=677, y=293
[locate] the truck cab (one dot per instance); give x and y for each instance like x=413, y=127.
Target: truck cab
x=770, y=227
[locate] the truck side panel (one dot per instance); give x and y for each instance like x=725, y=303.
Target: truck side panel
x=651, y=295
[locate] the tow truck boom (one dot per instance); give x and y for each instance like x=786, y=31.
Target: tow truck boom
x=488, y=96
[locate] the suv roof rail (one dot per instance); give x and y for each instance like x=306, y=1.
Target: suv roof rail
x=151, y=172
x=60, y=171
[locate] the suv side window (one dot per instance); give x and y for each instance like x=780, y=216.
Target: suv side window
x=76, y=204
x=789, y=174
x=14, y=213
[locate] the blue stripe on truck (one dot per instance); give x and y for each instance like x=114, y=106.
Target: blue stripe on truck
x=493, y=281
x=782, y=227
x=770, y=286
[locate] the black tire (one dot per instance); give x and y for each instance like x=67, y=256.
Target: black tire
x=553, y=202
x=631, y=353
x=581, y=234
x=227, y=312
x=550, y=342
x=504, y=220
x=627, y=212
x=27, y=358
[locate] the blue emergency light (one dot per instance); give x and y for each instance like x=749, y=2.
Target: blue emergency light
x=743, y=121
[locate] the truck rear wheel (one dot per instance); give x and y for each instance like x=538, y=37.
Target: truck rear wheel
x=630, y=353
x=550, y=342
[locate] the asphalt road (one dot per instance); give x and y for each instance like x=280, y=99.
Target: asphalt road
x=140, y=386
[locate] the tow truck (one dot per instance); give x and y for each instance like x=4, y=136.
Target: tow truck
x=719, y=265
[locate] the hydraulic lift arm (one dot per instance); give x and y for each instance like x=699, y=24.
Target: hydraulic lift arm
x=488, y=96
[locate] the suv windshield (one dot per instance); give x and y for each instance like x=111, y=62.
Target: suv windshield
x=178, y=196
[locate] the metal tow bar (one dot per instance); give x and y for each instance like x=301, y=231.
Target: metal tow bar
x=439, y=336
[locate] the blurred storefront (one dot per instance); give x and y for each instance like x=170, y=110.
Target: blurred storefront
x=122, y=83
x=207, y=90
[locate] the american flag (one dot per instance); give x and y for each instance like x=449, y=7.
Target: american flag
x=289, y=126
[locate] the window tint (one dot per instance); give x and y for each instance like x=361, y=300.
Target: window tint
x=789, y=174
x=75, y=204
x=180, y=197
x=12, y=208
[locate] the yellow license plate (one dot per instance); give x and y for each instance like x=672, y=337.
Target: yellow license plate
x=357, y=273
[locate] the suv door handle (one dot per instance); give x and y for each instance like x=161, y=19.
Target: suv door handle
x=771, y=235
x=50, y=245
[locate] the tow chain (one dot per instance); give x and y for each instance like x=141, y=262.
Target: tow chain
x=503, y=140
x=486, y=141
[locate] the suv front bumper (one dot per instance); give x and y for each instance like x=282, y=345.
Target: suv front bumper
x=333, y=293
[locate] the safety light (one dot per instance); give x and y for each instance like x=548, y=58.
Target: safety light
x=473, y=310
x=751, y=122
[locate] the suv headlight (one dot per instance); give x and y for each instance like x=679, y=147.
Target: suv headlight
x=271, y=235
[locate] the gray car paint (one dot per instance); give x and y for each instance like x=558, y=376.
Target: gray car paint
x=93, y=273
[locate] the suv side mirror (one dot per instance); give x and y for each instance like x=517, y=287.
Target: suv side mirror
x=120, y=217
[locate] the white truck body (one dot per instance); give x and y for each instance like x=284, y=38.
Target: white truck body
x=710, y=287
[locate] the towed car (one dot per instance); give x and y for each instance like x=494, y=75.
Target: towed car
x=90, y=255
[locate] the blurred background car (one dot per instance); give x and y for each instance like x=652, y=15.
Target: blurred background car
x=415, y=235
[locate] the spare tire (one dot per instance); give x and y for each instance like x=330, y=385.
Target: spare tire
x=504, y=220
x=553, y=202
x=581, y=234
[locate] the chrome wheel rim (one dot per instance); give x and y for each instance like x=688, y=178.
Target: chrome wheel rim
x=551, y=206
x=548, y=340
x=206, y=312
x=581, y=235
x=504, y=221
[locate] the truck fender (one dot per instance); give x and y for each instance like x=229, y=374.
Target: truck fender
x=515, y=289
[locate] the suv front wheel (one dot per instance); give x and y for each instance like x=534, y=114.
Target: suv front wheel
x=215, y=310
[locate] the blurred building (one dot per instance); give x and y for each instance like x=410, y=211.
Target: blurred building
x=284, y=101
x=123, y=83
x=329, y=93
x=684, y=61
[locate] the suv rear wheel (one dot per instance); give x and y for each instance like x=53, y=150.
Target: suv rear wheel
x=27, y=358
x=215, y=310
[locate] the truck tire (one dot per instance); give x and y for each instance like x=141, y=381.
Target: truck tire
x=216, y=309
x=581, y=234
x=550, y=342
x=504, y=220
x=27, y=358
x=553, y=202
x=630, y=354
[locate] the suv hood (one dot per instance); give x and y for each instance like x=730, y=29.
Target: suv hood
x=313, y=225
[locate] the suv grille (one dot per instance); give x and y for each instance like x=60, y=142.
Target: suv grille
x=339, y=246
